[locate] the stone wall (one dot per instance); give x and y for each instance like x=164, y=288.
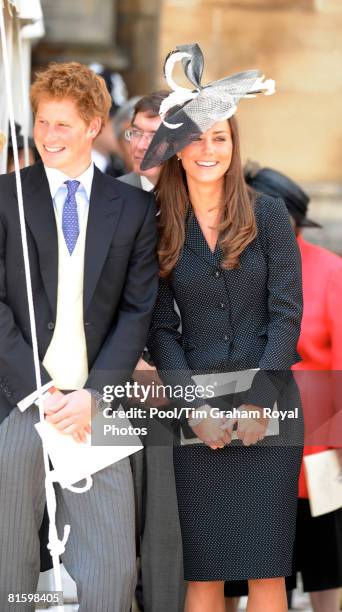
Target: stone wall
x=122, y=34
x=80, y=31
x=138, y=38
x=325, y=208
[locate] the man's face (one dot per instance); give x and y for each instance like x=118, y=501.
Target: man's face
x=145, y=128
x=62, y=137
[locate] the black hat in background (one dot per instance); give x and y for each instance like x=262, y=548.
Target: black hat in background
x=20, y=138
x=115, y=85
x=274, y=183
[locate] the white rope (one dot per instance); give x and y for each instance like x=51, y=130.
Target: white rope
x=55, y=545
x=84, y=489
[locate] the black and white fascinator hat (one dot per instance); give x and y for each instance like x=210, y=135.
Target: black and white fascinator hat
x=186, y=113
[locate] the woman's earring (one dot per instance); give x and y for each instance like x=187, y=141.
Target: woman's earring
x=179, y=158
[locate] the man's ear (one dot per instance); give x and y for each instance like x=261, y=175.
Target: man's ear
x=95, y=127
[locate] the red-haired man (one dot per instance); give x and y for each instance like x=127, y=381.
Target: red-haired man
x=94, y=276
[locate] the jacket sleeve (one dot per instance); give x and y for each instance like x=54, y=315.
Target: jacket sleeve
x=125, y=342
x=165, y=346
x=285, y=304
x=17, y=374
x=164, y=338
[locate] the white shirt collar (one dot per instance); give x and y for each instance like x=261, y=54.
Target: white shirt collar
x=101, y=161
x=146, y=183
x=56, y=178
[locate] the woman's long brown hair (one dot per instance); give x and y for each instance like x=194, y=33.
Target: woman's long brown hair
x=237, y=228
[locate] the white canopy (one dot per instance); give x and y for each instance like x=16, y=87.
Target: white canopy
x=24, y=23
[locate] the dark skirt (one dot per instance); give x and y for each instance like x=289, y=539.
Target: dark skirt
x=318, y=553
x=237, y=509
x=318, y=548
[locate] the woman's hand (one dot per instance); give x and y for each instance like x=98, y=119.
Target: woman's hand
x=250, y=430
x=209, y=430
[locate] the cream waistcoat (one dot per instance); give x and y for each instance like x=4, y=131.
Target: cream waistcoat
x=66, y=357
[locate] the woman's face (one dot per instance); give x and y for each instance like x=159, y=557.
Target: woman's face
x=207, y=159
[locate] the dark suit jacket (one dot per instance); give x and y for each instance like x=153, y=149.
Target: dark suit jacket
x=120, y=280
x=237, y=319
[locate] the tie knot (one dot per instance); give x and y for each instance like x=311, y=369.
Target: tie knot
x=72, y=186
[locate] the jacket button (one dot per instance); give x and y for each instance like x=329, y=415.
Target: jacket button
x=87, y=323
x=51, y=325
x=222, y=306
x=217, y=273
x=226, y=338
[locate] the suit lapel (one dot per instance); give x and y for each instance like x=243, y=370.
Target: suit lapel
x=195, y=241
x=40, y=218
x=104, y=213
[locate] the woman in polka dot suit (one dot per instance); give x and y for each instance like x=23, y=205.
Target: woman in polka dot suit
x=229, y=260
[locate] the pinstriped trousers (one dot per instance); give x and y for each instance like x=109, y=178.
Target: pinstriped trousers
x=161, y=541
x=100, y=552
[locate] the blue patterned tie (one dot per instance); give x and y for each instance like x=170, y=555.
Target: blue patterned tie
x=70, y=225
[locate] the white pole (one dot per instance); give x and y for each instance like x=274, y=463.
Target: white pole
x=24, y=90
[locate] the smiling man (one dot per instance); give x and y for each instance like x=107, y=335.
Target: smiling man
x=91, y=243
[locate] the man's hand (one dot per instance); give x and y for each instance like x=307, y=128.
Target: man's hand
x=209, y=430
x=70, y=413
x=143, y=366
x=81, y=435
x=52, y=400
x=250, y=430
x=147, y=376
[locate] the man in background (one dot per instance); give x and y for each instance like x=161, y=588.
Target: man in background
x=105, y=148
x=145, y=122
x=122, y=122
x=33, y=154
x=163, y=586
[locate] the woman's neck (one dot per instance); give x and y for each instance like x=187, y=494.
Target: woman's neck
x=205, y=197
